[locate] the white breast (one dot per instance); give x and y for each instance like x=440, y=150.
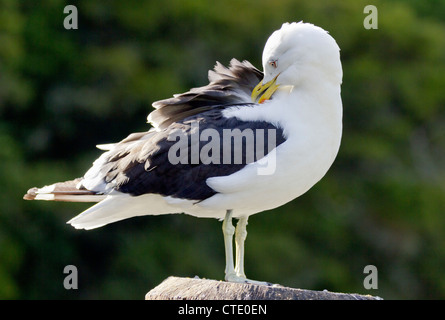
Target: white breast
x=313, y=127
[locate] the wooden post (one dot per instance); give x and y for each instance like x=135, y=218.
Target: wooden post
x=176, y=288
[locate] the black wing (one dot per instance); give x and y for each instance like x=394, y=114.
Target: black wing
x=184, y=160
x=148, y=162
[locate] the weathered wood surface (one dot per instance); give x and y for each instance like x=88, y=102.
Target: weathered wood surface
x=176, y=288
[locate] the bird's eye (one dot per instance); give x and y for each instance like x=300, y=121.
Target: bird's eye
x=273, y=63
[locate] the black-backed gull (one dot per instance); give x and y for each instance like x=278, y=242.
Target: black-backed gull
x=247, y=142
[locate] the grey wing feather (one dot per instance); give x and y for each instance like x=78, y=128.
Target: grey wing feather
x=228, y=86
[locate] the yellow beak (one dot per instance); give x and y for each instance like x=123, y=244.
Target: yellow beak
x=263, y=92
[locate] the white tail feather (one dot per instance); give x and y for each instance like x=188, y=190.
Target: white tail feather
x=119, y=207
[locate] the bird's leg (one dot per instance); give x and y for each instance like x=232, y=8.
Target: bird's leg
x=228, y=231
x=236, y=274
x=240, y=237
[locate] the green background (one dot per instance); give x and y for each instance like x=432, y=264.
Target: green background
x=64, y=91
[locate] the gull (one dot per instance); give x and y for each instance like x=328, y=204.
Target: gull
x=247, y=142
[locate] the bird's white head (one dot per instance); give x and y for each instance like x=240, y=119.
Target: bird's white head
x=295, y=55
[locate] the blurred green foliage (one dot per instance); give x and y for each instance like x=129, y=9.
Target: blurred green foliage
x=64, y=91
